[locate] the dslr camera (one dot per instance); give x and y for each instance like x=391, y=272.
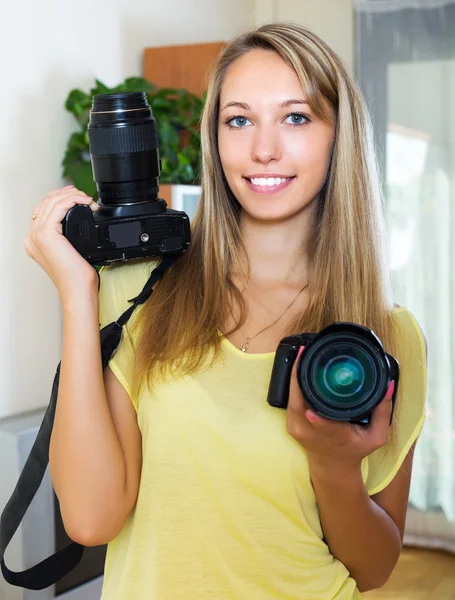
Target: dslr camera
x=343, y=372
x=132, y=221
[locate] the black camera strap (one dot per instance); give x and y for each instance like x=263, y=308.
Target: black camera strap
x=53, y=568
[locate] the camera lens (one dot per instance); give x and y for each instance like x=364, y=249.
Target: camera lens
x=124, y=148
x=344, y=375
x=344, y=372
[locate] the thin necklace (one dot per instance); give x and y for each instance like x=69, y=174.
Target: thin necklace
x=244, y=347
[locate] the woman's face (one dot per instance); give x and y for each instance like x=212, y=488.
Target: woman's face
x=275, y=152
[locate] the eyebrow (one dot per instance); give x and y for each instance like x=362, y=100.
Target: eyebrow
x=283, y=105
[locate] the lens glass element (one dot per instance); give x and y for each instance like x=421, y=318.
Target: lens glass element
x=344, y=374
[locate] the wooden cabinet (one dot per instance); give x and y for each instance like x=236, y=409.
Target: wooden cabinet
x=183, y=66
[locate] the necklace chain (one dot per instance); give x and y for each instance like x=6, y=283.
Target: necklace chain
x=244, y=347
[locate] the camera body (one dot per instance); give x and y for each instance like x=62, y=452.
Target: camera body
x=115, y=233
x=132, y=221
x=343, y=372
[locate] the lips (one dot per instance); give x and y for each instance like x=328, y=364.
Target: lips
x=266, y=189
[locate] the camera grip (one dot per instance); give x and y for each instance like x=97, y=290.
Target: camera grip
x=280, y=379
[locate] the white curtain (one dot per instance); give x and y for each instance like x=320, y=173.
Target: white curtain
x=406, y=68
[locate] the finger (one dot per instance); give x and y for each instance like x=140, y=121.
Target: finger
x=380, y=418
x=76, y=195
x=296, y=401
x=38, y=208
x=324, y=424
x=60, y=209
x=296, y=362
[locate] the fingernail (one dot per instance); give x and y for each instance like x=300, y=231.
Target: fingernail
x=301, y=349
x=68, y=186
x=390, y=389
x=310, y=416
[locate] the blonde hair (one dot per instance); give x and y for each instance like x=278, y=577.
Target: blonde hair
x=179, y=325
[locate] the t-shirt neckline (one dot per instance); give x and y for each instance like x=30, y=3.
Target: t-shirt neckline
x=246, y=355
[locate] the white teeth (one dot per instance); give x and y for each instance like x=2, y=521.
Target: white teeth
x=269, y=181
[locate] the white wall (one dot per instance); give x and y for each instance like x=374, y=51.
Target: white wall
x=333, y=20
x=49, y=47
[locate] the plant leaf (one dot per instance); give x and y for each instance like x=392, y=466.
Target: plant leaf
x=77, y=102
x=100, y=88
x=83, y=179
x=138, y=84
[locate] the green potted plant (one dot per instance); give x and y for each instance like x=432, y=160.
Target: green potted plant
x=177, y=113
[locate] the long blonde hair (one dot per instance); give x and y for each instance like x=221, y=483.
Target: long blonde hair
x=179, y=325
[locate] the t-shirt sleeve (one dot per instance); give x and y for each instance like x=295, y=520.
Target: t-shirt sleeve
x=119, y=283
x=409, y=412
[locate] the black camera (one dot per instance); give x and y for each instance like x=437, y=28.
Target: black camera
x=343, y=372
x=132, y=222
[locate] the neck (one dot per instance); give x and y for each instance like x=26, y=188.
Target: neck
x=278, y=252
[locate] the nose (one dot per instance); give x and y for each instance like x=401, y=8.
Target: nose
x=265, y=145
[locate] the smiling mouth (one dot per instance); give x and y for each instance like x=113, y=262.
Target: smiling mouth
x=267, y=185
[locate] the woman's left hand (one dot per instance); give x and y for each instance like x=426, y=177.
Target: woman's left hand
x=329, y=442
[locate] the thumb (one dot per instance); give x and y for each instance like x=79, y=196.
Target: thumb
x=380, y=418
x=295, y=394
x=297, y=358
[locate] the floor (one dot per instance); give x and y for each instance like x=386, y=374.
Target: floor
x=419, y=575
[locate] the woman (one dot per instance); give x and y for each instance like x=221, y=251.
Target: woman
x=173, y=455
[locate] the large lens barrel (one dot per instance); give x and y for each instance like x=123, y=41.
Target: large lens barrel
x=344, y=373
x=124, y=148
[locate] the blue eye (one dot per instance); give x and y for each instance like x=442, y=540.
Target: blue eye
x=241, y=122
x=297, y=119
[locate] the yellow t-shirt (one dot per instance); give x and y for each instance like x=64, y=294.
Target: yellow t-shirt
x=226, y=509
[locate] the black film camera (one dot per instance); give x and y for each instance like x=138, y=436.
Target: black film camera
x=132, y=222
x=343, y=372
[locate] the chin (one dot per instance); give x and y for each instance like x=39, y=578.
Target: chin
x=268, y=214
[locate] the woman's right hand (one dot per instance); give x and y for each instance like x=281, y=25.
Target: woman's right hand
x=46, y=244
